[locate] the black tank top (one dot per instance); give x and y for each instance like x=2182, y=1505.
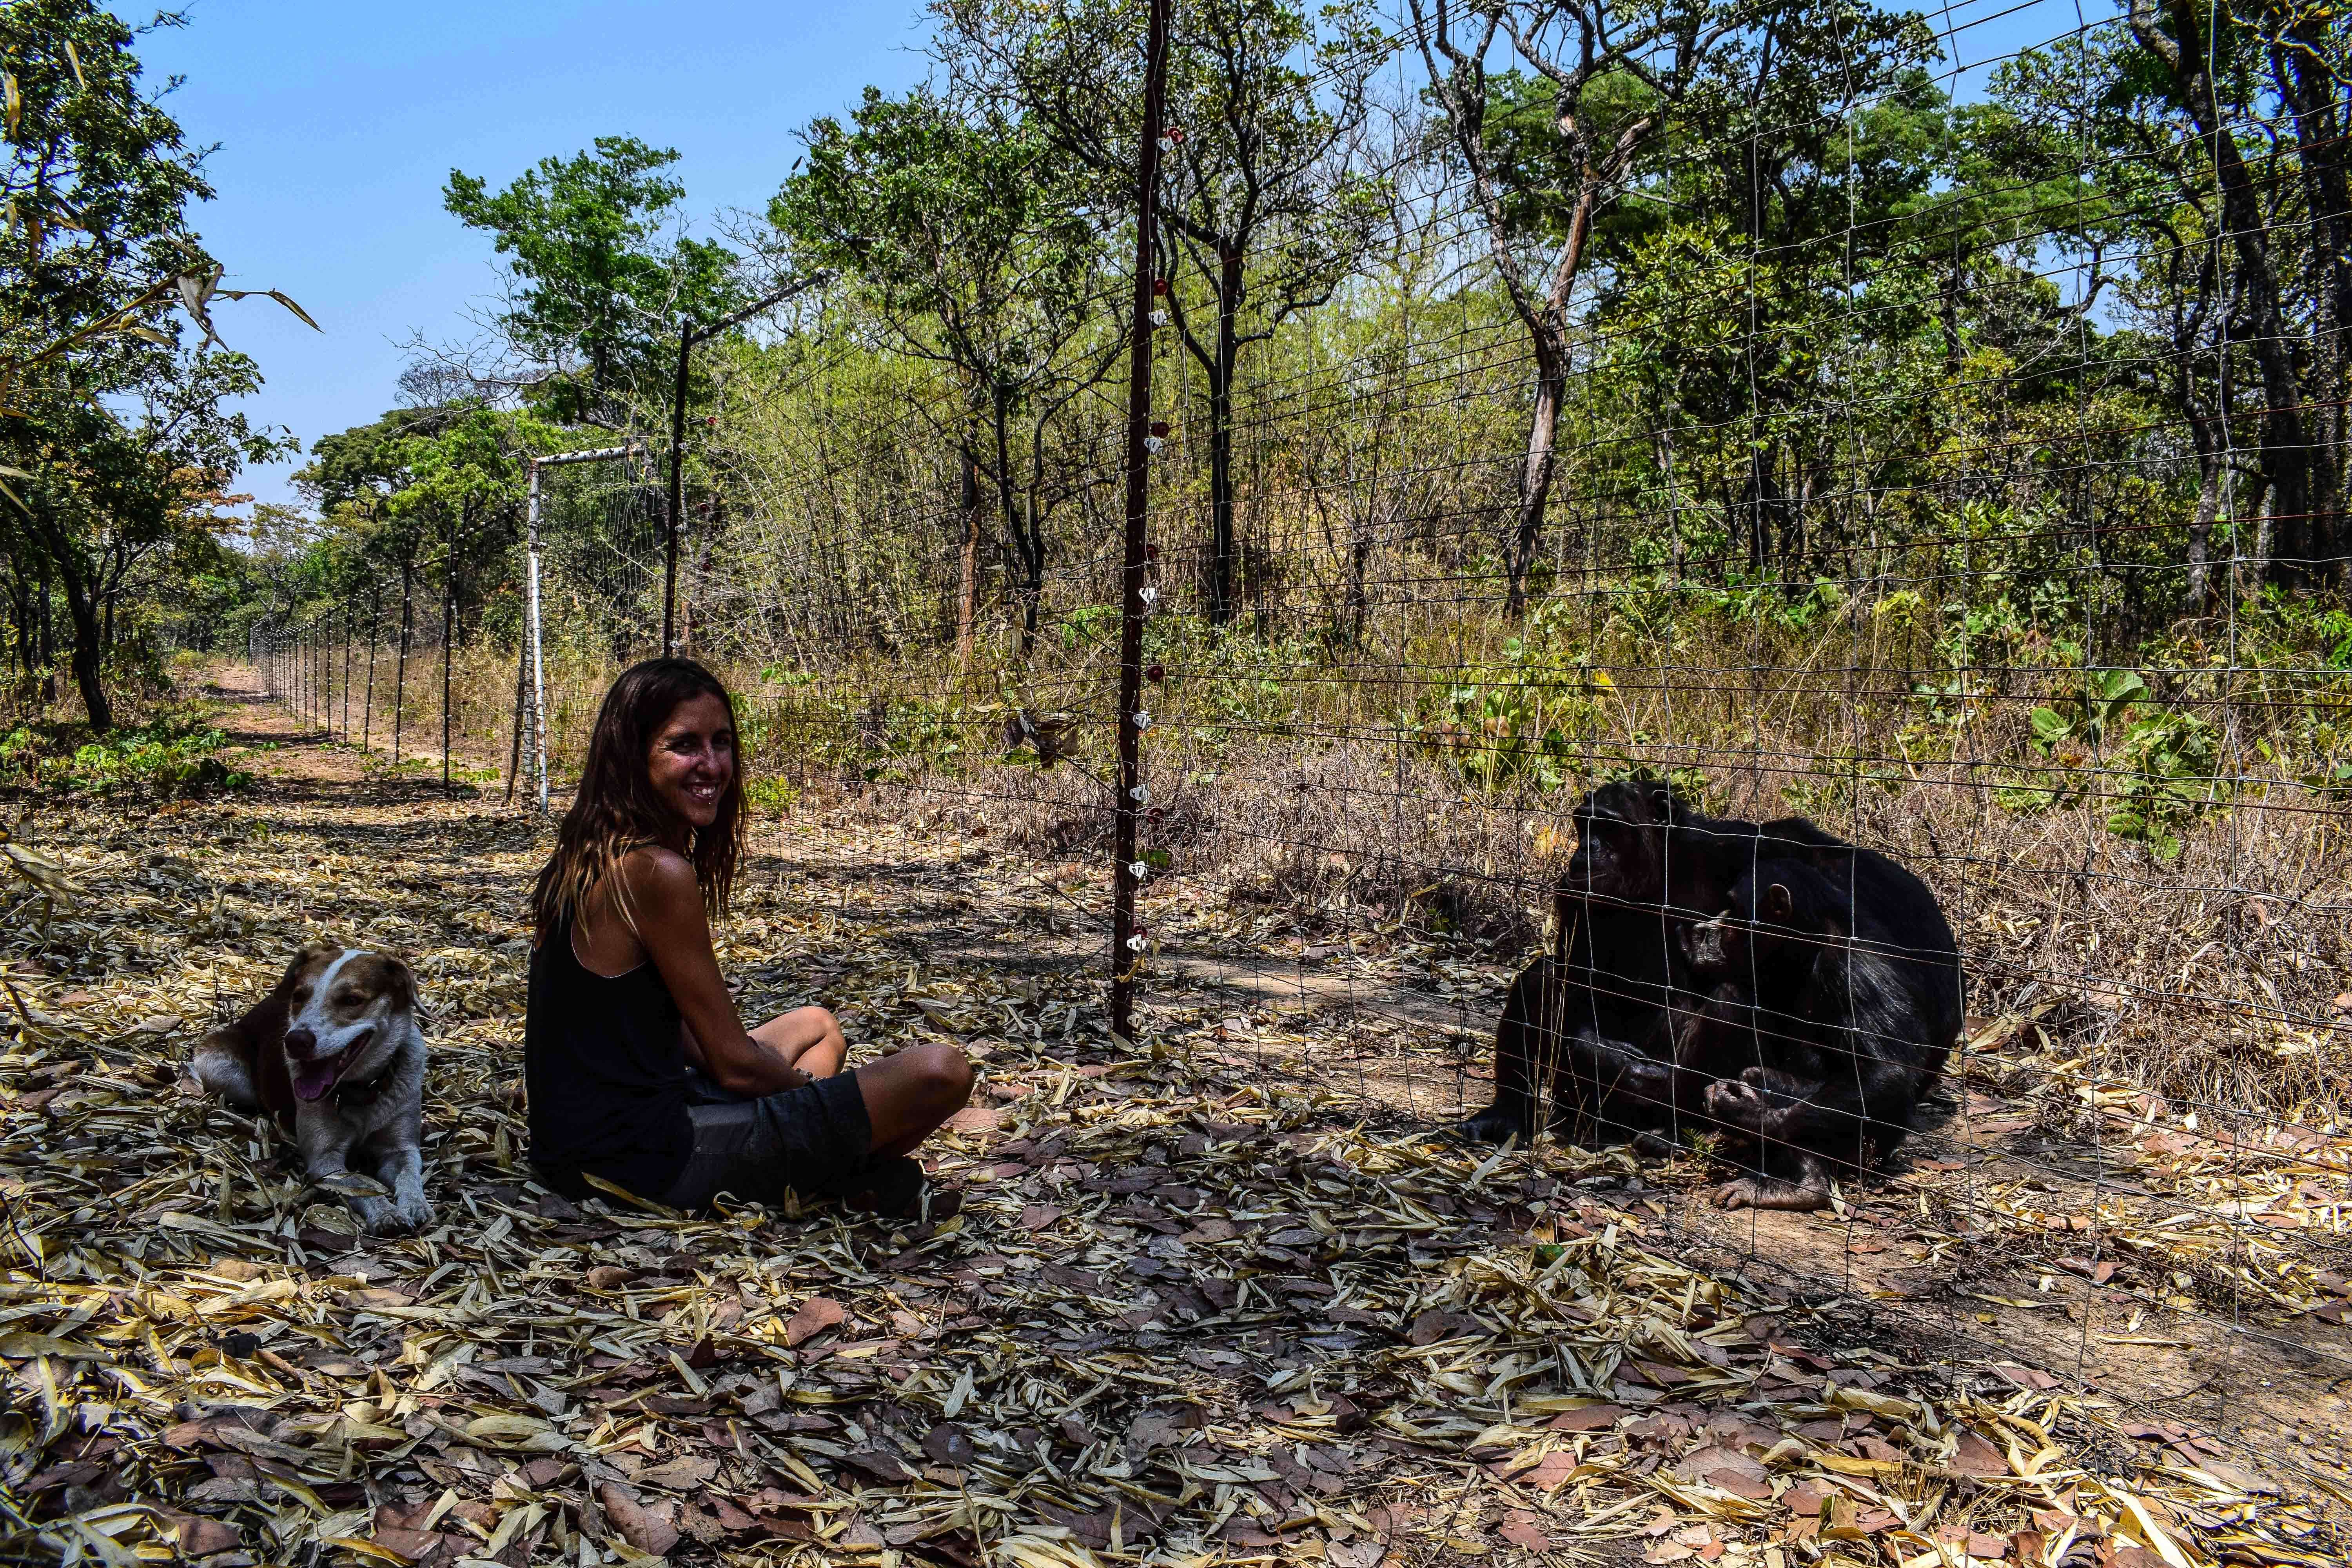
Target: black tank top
x=604, y=1074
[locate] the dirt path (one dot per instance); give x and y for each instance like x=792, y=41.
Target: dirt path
x=293, y=757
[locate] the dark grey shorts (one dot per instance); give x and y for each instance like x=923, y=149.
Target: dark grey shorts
x=811, y=1139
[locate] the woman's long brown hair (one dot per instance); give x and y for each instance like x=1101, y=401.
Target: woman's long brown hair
x=615, y=809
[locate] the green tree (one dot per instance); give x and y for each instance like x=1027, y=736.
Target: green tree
x=967, y=234
x=1610, y=73
x=450, y=480
x=98, y=256
x=108, y=494
x=1270, y=202
x=600, y=277
x=2206, y=75
x=1797, y=175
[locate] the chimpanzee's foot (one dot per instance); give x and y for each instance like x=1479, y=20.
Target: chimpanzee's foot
x=1495, y=1124
x=1771, y=1193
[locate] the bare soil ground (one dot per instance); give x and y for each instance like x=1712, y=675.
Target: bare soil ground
x=1217, y=1296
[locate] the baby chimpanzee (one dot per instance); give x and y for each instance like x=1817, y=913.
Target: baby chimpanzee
x=1822, y=1031
x=1586, y=1031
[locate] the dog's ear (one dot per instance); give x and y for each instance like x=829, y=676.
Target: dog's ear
x=317, y=951
x=399, y=983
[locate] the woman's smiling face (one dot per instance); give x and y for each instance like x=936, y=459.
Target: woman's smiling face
x=692, y=761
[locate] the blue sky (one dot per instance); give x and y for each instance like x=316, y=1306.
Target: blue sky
x=339, y=122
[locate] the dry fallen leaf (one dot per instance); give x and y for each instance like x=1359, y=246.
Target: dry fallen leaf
x=815, y=1315
x=1178, y=1275
x=647, y=1529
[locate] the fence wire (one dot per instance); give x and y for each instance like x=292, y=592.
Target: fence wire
x=427, y=669
x=1986, y=572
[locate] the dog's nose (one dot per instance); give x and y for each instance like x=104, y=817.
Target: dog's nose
x=302, y=1042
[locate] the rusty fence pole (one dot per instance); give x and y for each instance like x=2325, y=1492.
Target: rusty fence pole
x=1128, y=940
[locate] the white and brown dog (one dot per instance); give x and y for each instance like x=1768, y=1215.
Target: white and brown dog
x=333, y=1052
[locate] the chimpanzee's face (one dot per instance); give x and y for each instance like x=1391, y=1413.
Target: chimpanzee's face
x=1621, y=839
x=1756, y=924
x=1717, y=945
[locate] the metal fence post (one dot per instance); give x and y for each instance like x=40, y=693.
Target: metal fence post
x=537, y=652
x=400, y=669
x=677, y=489
x=1125, y=955
x=375, y=634
x=449, y=643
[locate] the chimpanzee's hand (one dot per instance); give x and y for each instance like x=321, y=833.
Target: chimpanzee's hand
x=1735, y=1103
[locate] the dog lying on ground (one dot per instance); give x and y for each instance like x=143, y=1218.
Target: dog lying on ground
x=333, y=1052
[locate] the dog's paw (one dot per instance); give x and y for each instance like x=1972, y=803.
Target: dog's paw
x=382, y=1218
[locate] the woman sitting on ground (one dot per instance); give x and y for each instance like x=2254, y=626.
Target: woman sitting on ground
x=639, y=1071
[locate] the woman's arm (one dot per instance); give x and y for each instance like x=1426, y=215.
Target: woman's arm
x=676, y=937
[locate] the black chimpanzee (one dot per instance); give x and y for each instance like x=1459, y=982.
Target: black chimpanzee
x=1831, y=1012
x=1591, y=1026
x=1618, y=1029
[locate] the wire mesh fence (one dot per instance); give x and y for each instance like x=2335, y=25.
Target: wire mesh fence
x=1991, y=573
x=441, y=669
x=1955, y=515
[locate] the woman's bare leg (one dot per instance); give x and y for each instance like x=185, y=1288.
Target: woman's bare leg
x=808, y=1038
x=908, y=1093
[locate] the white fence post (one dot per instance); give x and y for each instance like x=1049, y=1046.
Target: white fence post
x=537, y=653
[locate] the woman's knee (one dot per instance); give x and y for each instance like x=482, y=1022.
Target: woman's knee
x=942, y=1074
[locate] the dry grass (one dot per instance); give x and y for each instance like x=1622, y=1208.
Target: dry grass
x=1343, y=786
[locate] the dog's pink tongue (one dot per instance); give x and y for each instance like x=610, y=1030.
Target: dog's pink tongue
x=312, y=1080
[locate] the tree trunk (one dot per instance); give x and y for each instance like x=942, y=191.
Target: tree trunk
x=968, y=584
x=2286, y=459
x=48, y=642
x=1360, y=562
x=1535, y=475
x=20, y=610
x=1031, y=550
x=1220, y=436
x=2198, y=591
x=89, y=658
x=2309, y=89
x=2253, y=564
x=82, y=604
